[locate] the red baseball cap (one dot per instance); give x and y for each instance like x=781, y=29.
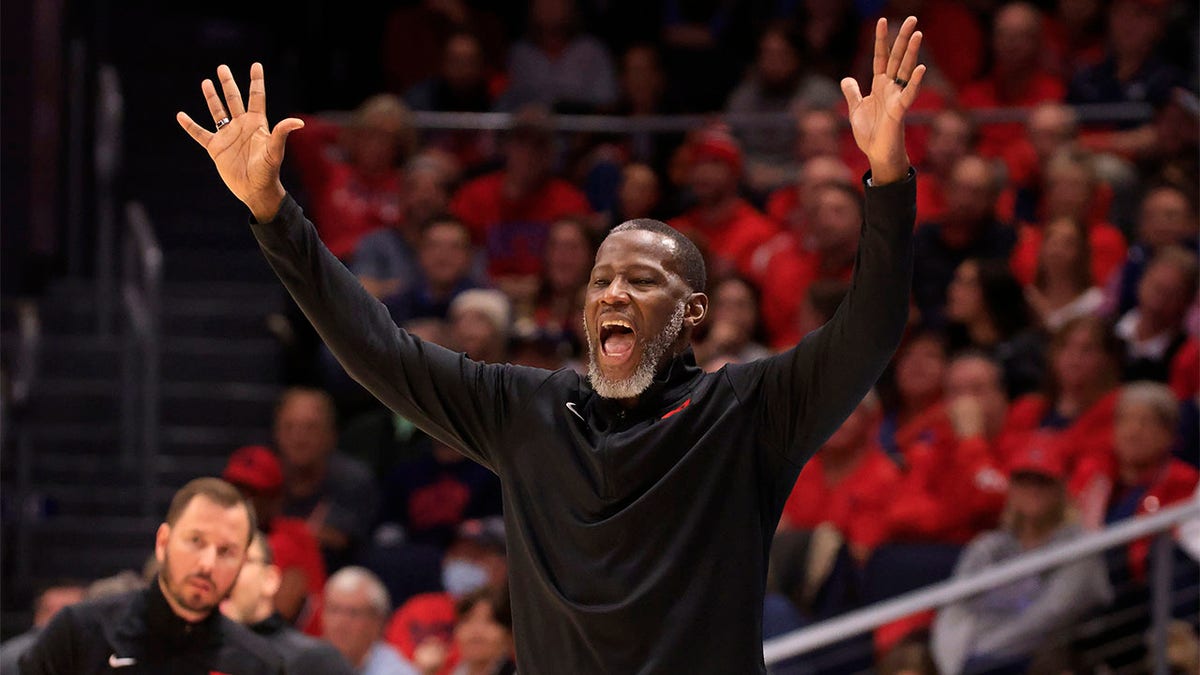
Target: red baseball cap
x=255, y=467
x=1038, y=459
x=717, y=144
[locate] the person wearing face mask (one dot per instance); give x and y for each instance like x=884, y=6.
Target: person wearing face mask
x=423, y=627
x=608, y=573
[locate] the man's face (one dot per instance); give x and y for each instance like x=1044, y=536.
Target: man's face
x=1016, y=39
x=639, y=191
x=350, y=622
x=777, y=61
x=969, y=197
x=200, y=556
x=304, y=431
x=836, y=222
x=817, y=135
x=949, y=140
x=462, y=65
x=1161, y=293
x=981, y=380
x=636, y=311
x=445, y=253
x=256, y=582
x=712, y=181
x=1165, y=218
x=1051, y=127
x=1140, y=437
x=425, y=195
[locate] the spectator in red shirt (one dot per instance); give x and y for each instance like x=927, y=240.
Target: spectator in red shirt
x=510, y=211
x=352, y=176
x=847, y=484
x=977, y=408
x=1074, y=36
x=1049, y=129
x=722, y=224
x=833, y=235
x=953, y=48
x=1138, y=476
x=1075, y=411
x=952, y=136
x=256, y=471
x=792, y=206
x=416, y=35
x=1017, y=79
x=1072, y=190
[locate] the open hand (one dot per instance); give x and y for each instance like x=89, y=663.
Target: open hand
x=878, y=119
x=245, y=150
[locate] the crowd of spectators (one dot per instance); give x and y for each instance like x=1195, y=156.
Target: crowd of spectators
x=1048, y=384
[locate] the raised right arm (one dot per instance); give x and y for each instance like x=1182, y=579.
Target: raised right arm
x=458, y=401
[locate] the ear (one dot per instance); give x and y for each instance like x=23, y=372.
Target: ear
x=160, y=542
x=272, y=579
x=696, y=309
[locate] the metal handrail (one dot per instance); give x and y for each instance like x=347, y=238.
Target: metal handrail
x=1032, y=563
x=621, y=124
x=141, y=352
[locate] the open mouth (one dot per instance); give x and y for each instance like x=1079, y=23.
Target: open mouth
x=617, y=340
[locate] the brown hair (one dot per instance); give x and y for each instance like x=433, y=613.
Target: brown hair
x=1082, y=272
x=496, y=598
x=220, y=492
x=325, y=399
x=1110, y=344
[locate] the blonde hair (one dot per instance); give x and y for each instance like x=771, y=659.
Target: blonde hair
x=389, y=112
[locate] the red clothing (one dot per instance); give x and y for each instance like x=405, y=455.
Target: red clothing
x=729, y=243
x=787, y=272
x=995, y=138
x=783, y=207
x=1093, y=485
x=1185, y=371
x=854, y=505
x=1090, y=434
x=1108, y=252
x=952, y=489
x=294, y=546
x=953, y=37
x=514, y=232
x=931, y=202
x=345, y=204
x=428, y=615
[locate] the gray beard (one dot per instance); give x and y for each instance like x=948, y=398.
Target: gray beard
x=652, y=355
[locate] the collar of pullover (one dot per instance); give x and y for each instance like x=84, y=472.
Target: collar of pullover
x=670, y=385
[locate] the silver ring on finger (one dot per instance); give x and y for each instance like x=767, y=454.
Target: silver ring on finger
x=222, y=122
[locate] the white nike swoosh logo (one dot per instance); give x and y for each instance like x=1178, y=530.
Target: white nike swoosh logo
x=571, y=407
x=115, y=661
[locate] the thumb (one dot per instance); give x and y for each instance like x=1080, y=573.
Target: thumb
x=851, y=91
x=280, y=134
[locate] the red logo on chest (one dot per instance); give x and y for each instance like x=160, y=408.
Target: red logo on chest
x=680, y=408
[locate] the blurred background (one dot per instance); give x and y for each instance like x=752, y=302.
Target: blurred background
x=464, y=159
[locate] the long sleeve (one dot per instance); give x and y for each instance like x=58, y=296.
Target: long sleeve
x=463, y=403
x=810, y=389
x=1069, y=593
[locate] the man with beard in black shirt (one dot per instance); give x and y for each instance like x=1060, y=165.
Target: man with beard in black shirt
x=173, y=626
x=639, y=501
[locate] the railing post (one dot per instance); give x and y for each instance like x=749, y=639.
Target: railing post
x=1160, y=603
